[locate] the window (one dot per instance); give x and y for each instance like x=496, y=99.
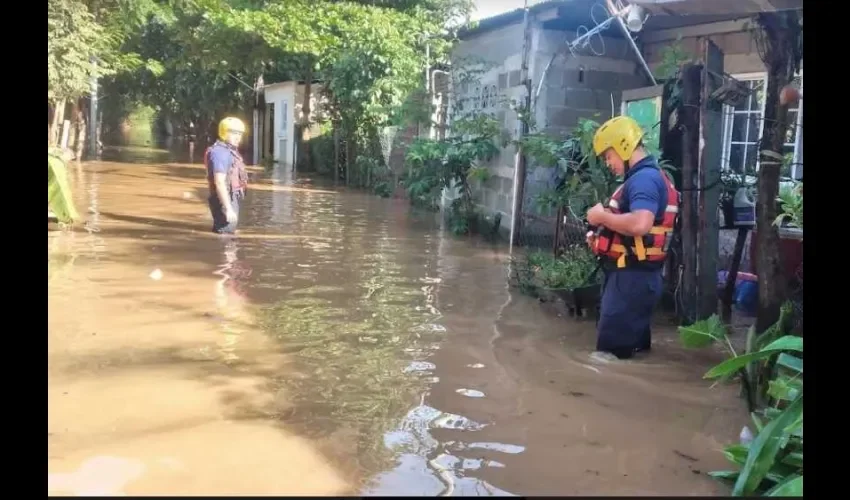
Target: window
x=284, y=111
x=743, y=126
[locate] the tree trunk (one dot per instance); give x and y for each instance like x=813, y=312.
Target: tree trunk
x=336, y=152
x=58, y=118
x=781, y=49
x=348, y=155
x=80, y=129
x=304, y=156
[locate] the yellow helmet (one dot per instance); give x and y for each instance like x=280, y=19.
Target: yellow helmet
x=621, y=133
x=230, y=124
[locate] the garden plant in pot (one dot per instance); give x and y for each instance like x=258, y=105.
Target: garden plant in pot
x=572, y=276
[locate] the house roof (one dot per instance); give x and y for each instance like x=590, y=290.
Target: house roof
x=294, y=82
x=716, y=7
x=668, y=14
x=507, y=18
x=665, y=13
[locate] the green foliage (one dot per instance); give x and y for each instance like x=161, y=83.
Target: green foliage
x=368, y=54
x=673, y=56
x=60, y=198
x=772, y=463
x=791, y=203
x=74, y=40
x=85, y=40
x=453, y=162
x=587, y=180
x=571, y=270
x=383, y=189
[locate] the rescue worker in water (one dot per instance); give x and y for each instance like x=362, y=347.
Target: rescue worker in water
x=226, y=176
x=632, y=237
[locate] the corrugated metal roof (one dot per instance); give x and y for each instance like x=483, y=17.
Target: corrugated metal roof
x=716, y=7
x=508, y=18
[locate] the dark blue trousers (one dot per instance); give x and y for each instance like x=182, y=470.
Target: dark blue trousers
x=220, y=224
x=628, y=298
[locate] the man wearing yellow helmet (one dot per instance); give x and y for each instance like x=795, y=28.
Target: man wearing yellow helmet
x=632, y=237
x=226, y=175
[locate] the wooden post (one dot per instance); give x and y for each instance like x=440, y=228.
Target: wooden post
x=670, y=142
x=732, y=275
x=690, y=125
x=336, y=153
x=782, y=56
x=519, y=161
x=710, y=151
x=348, y=161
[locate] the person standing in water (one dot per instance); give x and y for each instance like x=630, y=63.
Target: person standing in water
x=226, y=176
x=633, y=236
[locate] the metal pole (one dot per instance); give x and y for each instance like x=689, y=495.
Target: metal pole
x=519, y=159
x=93, y=117
x=619, y=16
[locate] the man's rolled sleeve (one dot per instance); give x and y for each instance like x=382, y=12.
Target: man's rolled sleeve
x=644, y=194
x=220, y=160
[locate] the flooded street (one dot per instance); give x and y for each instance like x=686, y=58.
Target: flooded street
x=341, y=344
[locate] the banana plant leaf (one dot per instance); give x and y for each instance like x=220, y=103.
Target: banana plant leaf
x=59, y=196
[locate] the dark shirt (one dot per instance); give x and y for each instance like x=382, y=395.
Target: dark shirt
x=645, y=189
x=220, y=159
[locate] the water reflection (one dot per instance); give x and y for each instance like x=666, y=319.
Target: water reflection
x=399, y=352
x=231, y=297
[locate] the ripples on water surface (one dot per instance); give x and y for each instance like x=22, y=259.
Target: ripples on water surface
x=407, y=362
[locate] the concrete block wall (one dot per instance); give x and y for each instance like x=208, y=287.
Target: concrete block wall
x=585, y=84
x=734, y=38
x=577, y=86
x=498, y=54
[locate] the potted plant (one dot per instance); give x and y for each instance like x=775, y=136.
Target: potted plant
x=571, y=276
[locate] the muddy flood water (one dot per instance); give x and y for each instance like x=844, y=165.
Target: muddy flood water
x=341, y=344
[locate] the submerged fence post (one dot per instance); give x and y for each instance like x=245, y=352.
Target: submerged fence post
x=690, y=124
x=93, y=142
x=710, y=152
x=519, y=161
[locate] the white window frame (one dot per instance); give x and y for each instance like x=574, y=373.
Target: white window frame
x=728, y=123
x=284, y=121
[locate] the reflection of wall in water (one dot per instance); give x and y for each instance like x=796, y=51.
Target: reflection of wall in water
x=281, y=206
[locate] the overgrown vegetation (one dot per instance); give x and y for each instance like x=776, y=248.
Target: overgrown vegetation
x=791, y=206
x=573, y=269
x=60, y=199
x=771, y=372
x=673, y=56
x=453, y=163
x=583, y=179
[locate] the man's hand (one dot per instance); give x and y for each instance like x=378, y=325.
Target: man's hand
x=231, y=216
x=591, y=239
x=595, y=215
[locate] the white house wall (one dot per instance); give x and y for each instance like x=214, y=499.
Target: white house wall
x=284, y=114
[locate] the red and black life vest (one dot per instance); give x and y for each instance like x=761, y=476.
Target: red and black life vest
x=237, y=175
x=648, y=251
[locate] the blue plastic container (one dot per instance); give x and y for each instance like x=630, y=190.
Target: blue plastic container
x=747, y=297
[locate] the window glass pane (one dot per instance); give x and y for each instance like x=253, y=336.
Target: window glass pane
x=754, y=123
x=751, y=158
x=736, y=157
x=787, y=161
x=757, y=95
x=791, y=135
x=739, y=127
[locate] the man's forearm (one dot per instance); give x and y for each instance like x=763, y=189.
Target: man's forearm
x=628, y=224
x=223, y=194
